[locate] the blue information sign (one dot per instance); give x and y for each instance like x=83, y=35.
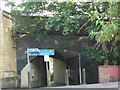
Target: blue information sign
x=40, y=52
x=46, y=52
x=33, y=50
x=33, y=54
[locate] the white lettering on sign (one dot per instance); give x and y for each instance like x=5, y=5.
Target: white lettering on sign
x=46, y=58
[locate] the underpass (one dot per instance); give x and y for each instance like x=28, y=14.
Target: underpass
x=66, y=56
x=64, y=59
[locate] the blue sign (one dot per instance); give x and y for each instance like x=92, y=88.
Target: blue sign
x=25, y=52
x=33, y=50
x=46, y=52
x=40, y=52
x=33, y=54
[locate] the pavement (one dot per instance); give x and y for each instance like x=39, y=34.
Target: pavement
x=100, y=86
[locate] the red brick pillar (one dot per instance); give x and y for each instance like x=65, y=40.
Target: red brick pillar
x=103, y=74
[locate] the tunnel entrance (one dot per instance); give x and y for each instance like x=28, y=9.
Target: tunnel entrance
x=37, y=73
x=66, y=54
x=63, y=70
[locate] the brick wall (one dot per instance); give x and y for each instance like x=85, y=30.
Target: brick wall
x=8, y=66
x=109, y=74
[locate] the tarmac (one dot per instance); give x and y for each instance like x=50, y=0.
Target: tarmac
x=99, y=86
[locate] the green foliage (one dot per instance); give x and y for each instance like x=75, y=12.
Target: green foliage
x=106, y=29
x=96, y=54
x=12, y=4
x=100, y=55
x=30, y=25
x=115, y=54
x=68, y=17
x=107, y=22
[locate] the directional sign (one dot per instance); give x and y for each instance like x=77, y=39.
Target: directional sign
x=46, y=52
x=40, y=52
x=25, y=52
x=33, y=54
x=33, y=50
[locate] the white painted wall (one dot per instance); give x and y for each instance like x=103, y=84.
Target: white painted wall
x=39, y=73
x=24, y=77
x=59, y=68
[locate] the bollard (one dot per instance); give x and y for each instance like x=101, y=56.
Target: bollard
x=84, y=76
x=67, y=77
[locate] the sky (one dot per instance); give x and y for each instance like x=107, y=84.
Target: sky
x=2, y=4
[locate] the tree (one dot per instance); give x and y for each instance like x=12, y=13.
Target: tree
x=104, y=30
x=99, y=19
x=107, y=33
x=108, y=27
x=31, y=25
x=67, y=15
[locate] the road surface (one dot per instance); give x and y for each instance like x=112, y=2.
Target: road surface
x=103, y=86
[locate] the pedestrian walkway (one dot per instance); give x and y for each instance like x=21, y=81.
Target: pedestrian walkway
x=100, y=85
x=103, y=86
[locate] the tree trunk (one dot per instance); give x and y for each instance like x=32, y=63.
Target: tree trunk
x=104, y=47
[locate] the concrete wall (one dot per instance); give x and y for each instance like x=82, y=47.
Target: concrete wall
x=59, y=68
x=38, y=73
x=24, y=77
x=8, y=66
x=35, y=73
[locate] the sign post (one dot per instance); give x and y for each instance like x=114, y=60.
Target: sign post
x=28, y=61
x=30, y=52
x=46, y=59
